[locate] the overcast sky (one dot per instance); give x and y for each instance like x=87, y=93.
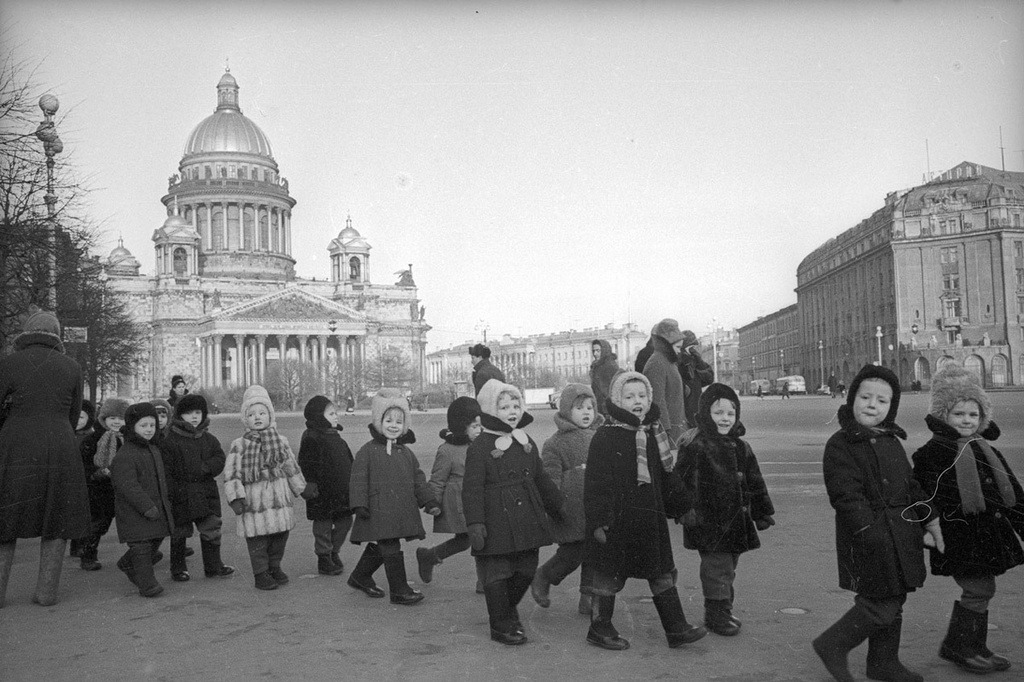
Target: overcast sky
x=544, y=165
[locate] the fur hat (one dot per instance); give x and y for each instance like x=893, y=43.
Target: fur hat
x=668, y=329
x=137, y=411
x=112, y=407
x=461, y=413
x=569, y=395
x=257, y=395
x=709, y=397
x=883, y=374
x=620, y=380
x=194, y=401
x=480, y=351
x=40, y=326
x=161, y=404
x=689, y=338
x=177, y=379
x=386, y=399
x=953, y=384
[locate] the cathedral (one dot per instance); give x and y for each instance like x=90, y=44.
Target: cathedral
x=224, y=304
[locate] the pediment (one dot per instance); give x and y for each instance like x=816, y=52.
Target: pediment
x=292, y=304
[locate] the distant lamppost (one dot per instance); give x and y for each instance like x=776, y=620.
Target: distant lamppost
x=753, y=367
x=821, y=359
x=47, y=134
x=878, y=336
x=782, y=360
x=714, y=347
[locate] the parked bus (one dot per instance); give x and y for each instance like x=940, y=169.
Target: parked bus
x=766, y=388
x=795, y=381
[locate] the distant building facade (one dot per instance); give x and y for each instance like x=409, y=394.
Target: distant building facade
x=768, y=347
x=727, y=356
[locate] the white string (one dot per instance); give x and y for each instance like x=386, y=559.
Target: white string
x=936, y=492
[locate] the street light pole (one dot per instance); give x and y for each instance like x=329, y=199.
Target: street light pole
x=47, y=134
x=821, y=358
x=878, y=336
x=714, y=348
x=782, y=360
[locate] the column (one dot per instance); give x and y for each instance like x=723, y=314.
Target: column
x=234, y=381
x=208, y=231
x=255, y=227
x=261, y=355
x=286, y=220
x=224, y=228
x=303, y=339
x=324, y=360
x=218, y=360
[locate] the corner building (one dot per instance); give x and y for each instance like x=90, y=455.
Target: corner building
x=224, y=302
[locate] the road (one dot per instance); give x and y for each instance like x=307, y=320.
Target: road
x=316, y=626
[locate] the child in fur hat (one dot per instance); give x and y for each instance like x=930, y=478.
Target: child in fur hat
x=261, y=479
x=386, y=493
x=508, y=499
x=980, y=506
x=629, y=487
x=446, y=483
x=98, y=452
x=730, y=500
x=565, y=460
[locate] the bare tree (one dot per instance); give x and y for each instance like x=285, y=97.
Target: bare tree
x=291, y=381
x=389, y=367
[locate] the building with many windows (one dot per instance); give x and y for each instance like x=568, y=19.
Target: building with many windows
x=722, y=349
x=769, y=346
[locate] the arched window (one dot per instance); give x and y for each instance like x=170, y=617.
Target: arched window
x=208, y=172
x=354, y=269
x=922, y=370
x=217, y=230
x=999, y=371
x=180, y=262
x=265, y=244
x=975, y=364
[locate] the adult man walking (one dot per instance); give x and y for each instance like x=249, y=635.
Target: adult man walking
x=483, y=370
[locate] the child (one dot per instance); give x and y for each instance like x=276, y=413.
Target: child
x=507, y=499
x=565, y=460
x=326, y=462
x=261, y=478
x=386, y=492
x=446, y=484
x=878, y=534
x=629, y=486
x=729, y=497
x=144, y=516
x=163, y=419
x=980, y=506
x=193, y=458
x=83, y=431
x=98, y=452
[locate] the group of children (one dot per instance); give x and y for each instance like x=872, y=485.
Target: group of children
x=602, y=488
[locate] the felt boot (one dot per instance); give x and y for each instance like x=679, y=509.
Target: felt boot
x=75, y=548
x=125, y=565
x=362, y=575
x=586, y=605
x=836, y=642
x=518, y=586
x=602, y=633
x=426, y=559
x=142, y=567
x=324, y=565
x=540, y=587
x=265, y=581
x=6, y=561
x=718, y=617
x=213, y=566
x=401, y=592
x=87, y=556
x=336, y=560
x=670, y=611
x=965, y=640
x=883, y=655
x=179, y=569
x=51, y=556
x=999, y=663
x=500, y=615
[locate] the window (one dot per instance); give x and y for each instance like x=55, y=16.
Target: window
x=951, y=307
x=1018, y=250
x=354, y=269
x=948, y=254
x=951, y=282
x=180, y=262
x=1020, y=279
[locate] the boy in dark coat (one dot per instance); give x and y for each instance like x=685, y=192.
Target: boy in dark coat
x=326, y=462
x=508, y=500
x=730, y=501
x=879, y=544
x=981, y=510
x=98, y=452
x=144, y=516
x=629, y=487
x=193, y=457
x=83, y=431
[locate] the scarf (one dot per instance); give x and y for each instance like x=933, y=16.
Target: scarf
x=665, y=450
x=506, y=433
x=264, y=456
x=968, y=480
x=106, y=448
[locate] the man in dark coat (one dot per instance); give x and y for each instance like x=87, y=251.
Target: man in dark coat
x=666, y=382
x=695, y=373
x=483, y=370
x=602, y=369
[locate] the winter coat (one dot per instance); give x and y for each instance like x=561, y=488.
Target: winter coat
x=484, y=372
x=446, y=483
x=193, y=457
x=644, y=355
x=392, y=487
x=638, y=542
x=601, y=372
x=977, y=545
x=565, y=461
x=510, y=494
x=42, y=486
x=326, y=460
x=871, y=486
x=667, y=386
x=140, y=483
x=695, y=375
x=269, y=503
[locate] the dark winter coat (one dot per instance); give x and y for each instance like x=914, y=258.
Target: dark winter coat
x=977, y=545
x=446, y=479
x=42, y=486
x=392, y=487
x=193, y=457
x=667, y=386
x=601, y=372
x=639, y=545
x=871, y=486
x=484, y=372
x=644, y=355
x=326, y=460
x=695, y=374
x=101, y=490
x=509, y=493
x=140, y=483
x=565, y=461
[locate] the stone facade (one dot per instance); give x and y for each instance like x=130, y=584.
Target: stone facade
x=768, y=347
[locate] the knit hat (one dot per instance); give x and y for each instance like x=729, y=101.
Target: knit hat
x=668, y=329
x=480, y=351
x=877, y=372
x=90, y=411
x=112, y=407
x=709, y=397
x=193, y=401
x=953, y=384
x=569, y=395
x=257, y=395
x=461, y=413
x=689, y=338
x=40, y=326
x=620, y=380
x=137, y=411
x=177, y=379
x=385, y=399
x=314, y=412
x=488, y=396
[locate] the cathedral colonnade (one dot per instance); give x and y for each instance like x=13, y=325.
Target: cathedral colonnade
x=231, y=225
x=241, y=358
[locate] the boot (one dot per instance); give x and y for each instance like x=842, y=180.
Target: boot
x=75, y=548
x=324, y=565
x=89, y=551
x=883, y=655
x=125, y=565
x=336, y=560
x=213, y=566
x=362, y=575
x=999, y=663
x=398, y=584
x=540, y=588
x=835, y=643
x=264, y=581
x=426, y=559
x=142, y=568
x=964, y=640
x=6, y=561
x=518, y=585
x=718, y=617
x=586, y=605
x=670, y=611
x=179, y=569
x=602, y=633
x=51, y=556
x=279, y=576
x=499, y=613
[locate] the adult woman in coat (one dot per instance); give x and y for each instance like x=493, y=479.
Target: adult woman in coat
x=42, y=484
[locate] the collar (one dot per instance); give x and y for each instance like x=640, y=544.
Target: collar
x=856, y=432
x=492, y=424
x=378, y=437
x=622, y=416
x=944, y=430
x=183, y=428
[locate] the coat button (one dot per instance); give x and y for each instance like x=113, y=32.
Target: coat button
x=998, y=515
x=872, y=440
x=988, y=480
x=739, y=475
x=885, y=481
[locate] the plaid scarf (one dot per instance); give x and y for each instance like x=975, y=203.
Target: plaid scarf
x=968, y=480
x=106, y=448
x=665, y=449
x=265, y=456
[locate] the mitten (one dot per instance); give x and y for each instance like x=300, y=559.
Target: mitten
x=311, y=491
x=689, y=519
x=764, y=523
x=477, y=535
x=432, y=508
x=933, y=535
x=237, y=506
x=153, y=513
x=600, y=535
x=362, y=512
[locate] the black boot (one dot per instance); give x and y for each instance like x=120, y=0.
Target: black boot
x=500, y=615
x=126, y=566
x=602, y=633
x=398, y=583
x=999, y=663
x=518, y=586
x=964, y=641
x=336, y=560
x=142, y=569
x=179, y=569
x=213, y=566
x=883, y=655
x=835, y=643
x=718, y=617
x=426, y=559
x=670, y=611
x=324, y=565
x=540, y=587
x=362, y=575
x=88, y=554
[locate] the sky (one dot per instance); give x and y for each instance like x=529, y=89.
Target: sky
x=544, y=166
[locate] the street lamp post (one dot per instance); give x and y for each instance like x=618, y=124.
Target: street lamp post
x=821, y=360
x=714, y=347
x=782, y=360
x=47, y=134
x=878, y=336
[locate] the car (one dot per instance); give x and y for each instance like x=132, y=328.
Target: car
x=554, y=398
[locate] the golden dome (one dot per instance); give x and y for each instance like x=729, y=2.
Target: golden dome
x=227, y=130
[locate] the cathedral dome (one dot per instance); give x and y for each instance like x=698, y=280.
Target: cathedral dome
x=121, y=261
x=227, y=130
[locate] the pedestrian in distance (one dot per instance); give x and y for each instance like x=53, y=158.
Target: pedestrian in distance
x=760, y=393
x=565, y=461
x=630, y=486
x=179, y=389
x=483, y=370
x=980, y=506
x=98, y=452
x=604, y=367
x=261, y=480
x=879, y=539
x=663, y=374
x=446, y=477
x=730, y=501
x=785, y=390
x=695, y=373
x=326, y=462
